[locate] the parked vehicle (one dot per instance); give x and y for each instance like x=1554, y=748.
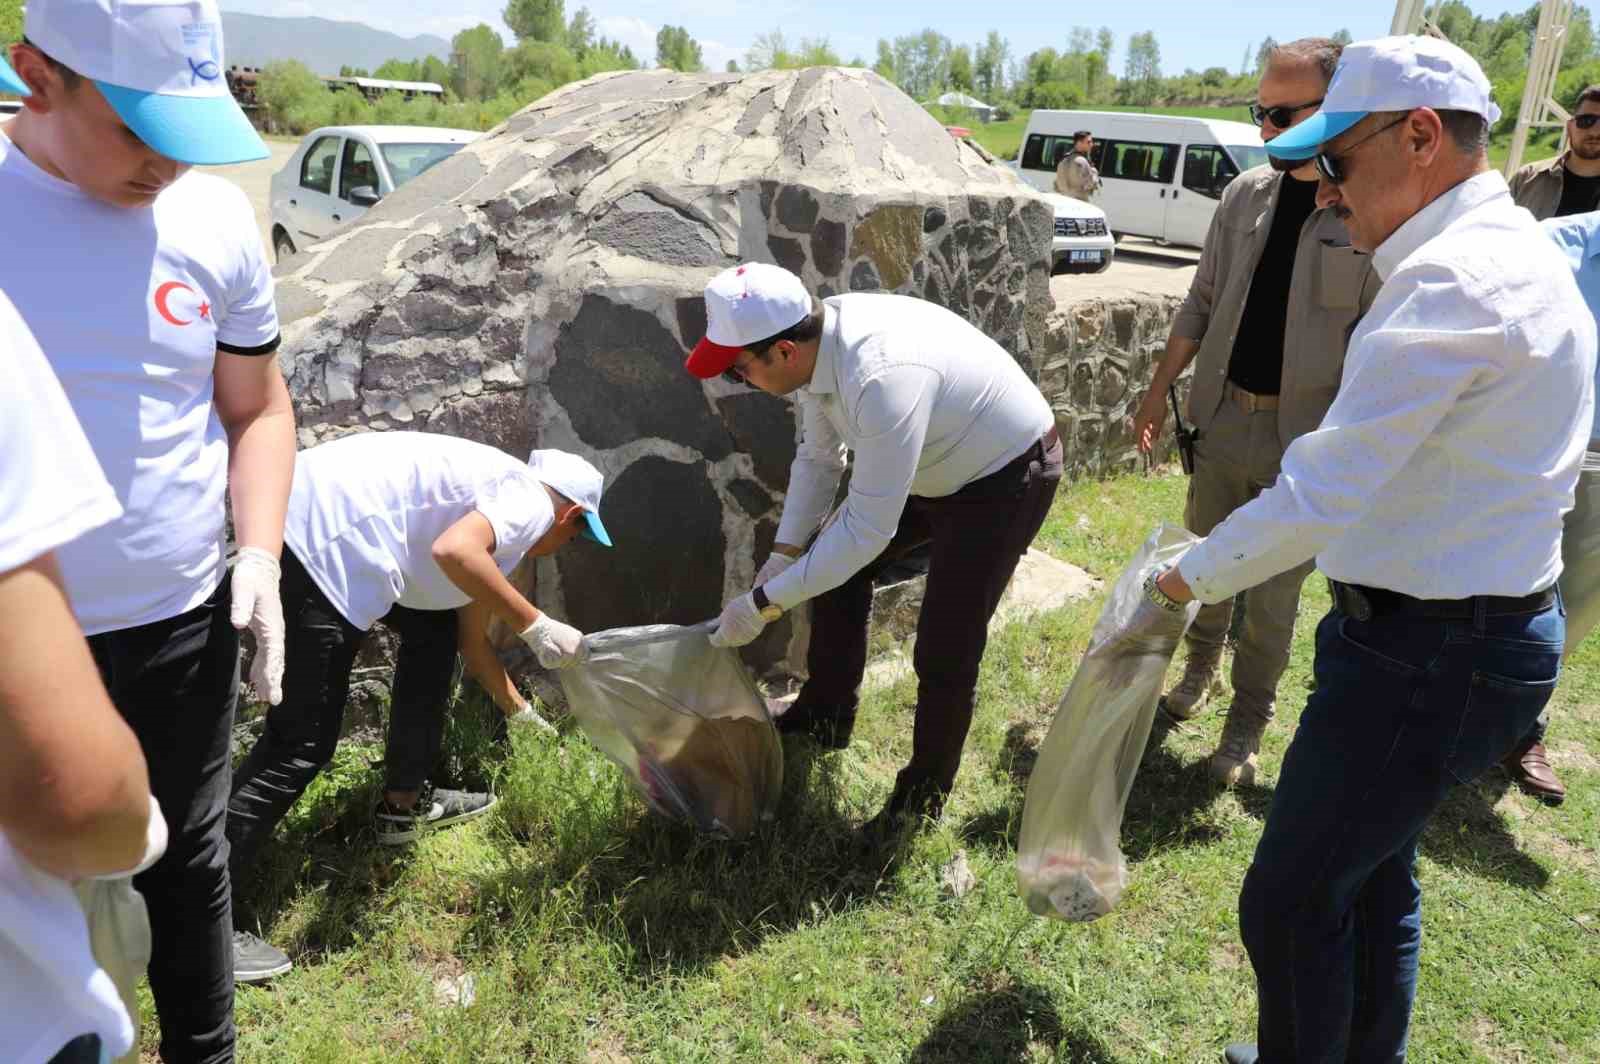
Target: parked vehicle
x=1082, y=242
x=339, y=172
x=9, y=107
x=1161, y=175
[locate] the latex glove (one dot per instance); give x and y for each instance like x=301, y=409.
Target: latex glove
x=556, y=645
x=155, y=843
x=739, y=624
x=256, y=604
x=775, y=564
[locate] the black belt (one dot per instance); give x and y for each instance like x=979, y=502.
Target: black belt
x=1049, y=440
x=1365, y=603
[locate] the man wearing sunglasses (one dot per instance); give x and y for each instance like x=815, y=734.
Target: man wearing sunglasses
x=1569, y=183
x=1275, y=294
x=953, y=447
x=1431, y=497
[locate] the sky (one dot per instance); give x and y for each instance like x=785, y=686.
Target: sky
x=1191, y=34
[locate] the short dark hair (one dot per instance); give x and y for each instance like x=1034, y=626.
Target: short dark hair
x=1320, y=52
x=69, y=77
x=1589, y=95
x=1080, y=134
x=807, y=328
x=1468, y=129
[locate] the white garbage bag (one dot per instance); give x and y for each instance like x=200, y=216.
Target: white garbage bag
x=1069, y=863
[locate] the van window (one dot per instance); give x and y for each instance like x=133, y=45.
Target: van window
x=1207, y=170
x=1132, y=160
x=1044, y=151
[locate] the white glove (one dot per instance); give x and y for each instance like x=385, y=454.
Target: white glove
x=155, y=843
x=739, y=624
x=775, y=564
x=556, y=645
x=256, y=604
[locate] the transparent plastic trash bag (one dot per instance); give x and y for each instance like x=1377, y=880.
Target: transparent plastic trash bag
x=1069, y=863
x=684, y=720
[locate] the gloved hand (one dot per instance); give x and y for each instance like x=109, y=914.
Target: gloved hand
x=775, y=564
x=256, y=604
x=739, y=624
x=556, y=645
x=155, y=843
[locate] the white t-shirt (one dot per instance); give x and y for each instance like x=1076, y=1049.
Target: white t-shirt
x=51, y=491
x=131, y=307
x=365, y=511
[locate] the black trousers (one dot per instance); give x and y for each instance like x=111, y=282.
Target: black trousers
x=302, y=731
x=978, y=535
x=175, y=682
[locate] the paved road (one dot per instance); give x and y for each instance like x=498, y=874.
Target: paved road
x=256, y=178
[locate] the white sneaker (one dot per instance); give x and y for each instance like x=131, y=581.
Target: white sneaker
x=528, y=716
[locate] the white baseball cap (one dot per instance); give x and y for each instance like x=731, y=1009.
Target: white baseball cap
x=1390, y=74
x=578, y=481
x=744, y=305
x=159, y=65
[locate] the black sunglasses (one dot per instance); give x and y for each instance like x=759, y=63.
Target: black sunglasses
x=1281, y=115
x=1585, y=121
x=1331, y=166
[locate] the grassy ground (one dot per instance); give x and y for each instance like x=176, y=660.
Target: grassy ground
x=589, y=932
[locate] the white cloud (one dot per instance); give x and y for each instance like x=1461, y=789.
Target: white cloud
x=716, y=55
x=636, y=33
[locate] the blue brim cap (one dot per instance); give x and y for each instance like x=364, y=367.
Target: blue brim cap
x=9, y=82
x=1303, y=140
x=196, y=130
x=594, y=530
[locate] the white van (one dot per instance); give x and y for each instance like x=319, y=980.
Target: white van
x=1162, y=175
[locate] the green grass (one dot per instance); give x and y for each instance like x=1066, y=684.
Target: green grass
x=594, y=933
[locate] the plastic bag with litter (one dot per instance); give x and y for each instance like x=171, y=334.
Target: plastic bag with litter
x=684, y=720
x=1069, y=863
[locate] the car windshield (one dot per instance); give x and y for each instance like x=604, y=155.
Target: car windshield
x=1247, y=155
x=406, y=161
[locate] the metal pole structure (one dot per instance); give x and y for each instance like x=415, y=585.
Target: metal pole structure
x=1539, y=108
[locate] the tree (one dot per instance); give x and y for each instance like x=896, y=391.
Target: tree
x=1341, y=37
x=607, y=54
x=922, y=63
x=769, y=51
x=1142, y=72
x=433, y=69
x=293, y=96
x=397, y=70
x=989, y=65
x=537, y=20
x=733, y=66
x=540, y=61
x=1244, y=64
x=1105, y=42
x=961, y=68
x=475, y=57
x=885, y=66
x=10, y=21
x=677, y=50
x=1264, y=53
x=816, y=51
x=1096, y=75
x=580, y=32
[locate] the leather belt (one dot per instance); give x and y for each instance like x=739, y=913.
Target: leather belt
x=1249, y=402
x=1365, y=603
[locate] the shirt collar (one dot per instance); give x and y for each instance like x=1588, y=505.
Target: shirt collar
x=825, y=374
x=1431, y=220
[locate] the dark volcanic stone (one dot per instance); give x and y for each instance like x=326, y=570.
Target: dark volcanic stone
x=827, y=247
x=646, y=229
x=797, y=208
x=762, y=426
x=790, y=254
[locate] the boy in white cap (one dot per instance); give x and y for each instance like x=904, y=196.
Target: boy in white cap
x=954, y=447
x=1433, y=503
x=417, y=530
x=148, y=290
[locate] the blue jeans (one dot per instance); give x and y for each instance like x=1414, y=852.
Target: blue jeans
x=1404, y=709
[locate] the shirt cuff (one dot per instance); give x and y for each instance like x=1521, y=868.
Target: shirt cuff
x=788, y=588
x=1199, y=571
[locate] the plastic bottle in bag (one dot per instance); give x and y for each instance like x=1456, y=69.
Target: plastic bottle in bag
x=684, y=720
x=1069, y=862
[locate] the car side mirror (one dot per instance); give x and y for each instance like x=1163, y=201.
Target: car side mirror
x=364, y=196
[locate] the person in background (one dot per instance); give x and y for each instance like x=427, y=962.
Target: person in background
x=74, y=791
x=1569, y=183
x=1264, y=324
x=146, y=285
x=1433, y=503
x=417, y=530
x=1075, y=174
x=953, y=446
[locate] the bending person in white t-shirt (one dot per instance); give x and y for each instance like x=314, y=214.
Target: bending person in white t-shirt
x=146, y=285
x=74, y=794
x=417, y=530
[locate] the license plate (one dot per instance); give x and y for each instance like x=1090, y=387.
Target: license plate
x=1086, y=256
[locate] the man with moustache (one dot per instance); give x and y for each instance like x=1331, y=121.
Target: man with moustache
x=1276, y=291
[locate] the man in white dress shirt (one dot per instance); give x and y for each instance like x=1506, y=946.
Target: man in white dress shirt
x=1432, y=497
x=953, y=446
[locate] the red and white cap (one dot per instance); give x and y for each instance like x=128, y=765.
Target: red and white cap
x=744, y=305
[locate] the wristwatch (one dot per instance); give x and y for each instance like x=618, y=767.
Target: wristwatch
x=1153, y=592
x=770, y=611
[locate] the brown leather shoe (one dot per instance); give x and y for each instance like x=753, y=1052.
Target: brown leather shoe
x=1529, y=768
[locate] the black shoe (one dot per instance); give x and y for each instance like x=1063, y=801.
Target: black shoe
x=1241, y=1053
x=831, y=733
x=908, y=806
x=436, y=807
x=256, y=961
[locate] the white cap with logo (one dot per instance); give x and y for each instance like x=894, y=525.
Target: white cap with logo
x=158, y=63
x=1390, y=74
x=578, y=481
x=744, y=305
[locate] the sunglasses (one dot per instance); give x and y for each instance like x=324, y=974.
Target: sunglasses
x=734, y=374
x=1331, y=166
x=1281, y=115
x=1585, y=121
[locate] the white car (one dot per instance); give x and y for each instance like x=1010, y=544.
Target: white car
x=1082, y=242
x=338, y=172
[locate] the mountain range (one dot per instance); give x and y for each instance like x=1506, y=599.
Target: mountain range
x=321, y=44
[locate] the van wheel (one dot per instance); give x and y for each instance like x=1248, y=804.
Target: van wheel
x=282, y=246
